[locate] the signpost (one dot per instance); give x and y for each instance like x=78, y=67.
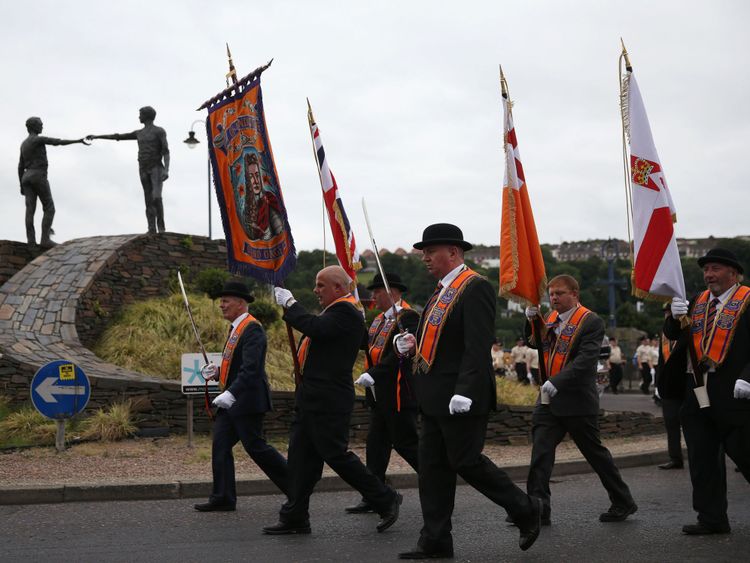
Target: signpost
x=194, y=384
x=60, y=390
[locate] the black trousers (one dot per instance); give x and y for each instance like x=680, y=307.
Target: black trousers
x=316, y=438
x=521, y=373
x=709, y=434
x=671, y=411
x=228, y=430
x=391, y=430
x=35, y=186
x=615, y=376
x=548, y=431
x=450, y=446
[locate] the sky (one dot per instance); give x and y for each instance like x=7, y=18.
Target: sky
x=406, y=95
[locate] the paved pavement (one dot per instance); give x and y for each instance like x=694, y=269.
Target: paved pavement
x=170, y=530
x=629, y=402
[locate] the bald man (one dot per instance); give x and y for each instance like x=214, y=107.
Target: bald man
x=324, y=401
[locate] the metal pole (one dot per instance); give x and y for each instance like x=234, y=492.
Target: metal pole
x=190, y=421
x=209, y=197
x=60, y=436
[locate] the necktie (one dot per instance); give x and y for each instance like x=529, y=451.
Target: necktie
x=710, y=318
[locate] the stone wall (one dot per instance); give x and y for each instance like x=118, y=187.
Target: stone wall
x=14, y=256
x=145, y=268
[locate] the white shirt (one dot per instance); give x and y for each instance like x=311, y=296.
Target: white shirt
x=450, y=276
x=389, y=311
x=564, y=318
x=236, y=322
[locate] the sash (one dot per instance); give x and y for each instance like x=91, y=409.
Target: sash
x=720, y=335
x=379, y=335
x=304, y=344
x=556, y=355
x=434, y=319
x=226, y=357
x=666, y=347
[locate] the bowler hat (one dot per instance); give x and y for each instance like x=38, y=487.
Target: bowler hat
x=721, y=256
x=394, y=280
x=236, y=289
x=442, y=233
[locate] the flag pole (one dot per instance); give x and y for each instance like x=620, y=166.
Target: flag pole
x=537, y=321
x=311, y=122
x=622, y=79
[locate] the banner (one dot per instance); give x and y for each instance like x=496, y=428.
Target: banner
x=343, y=237
x=259, y=240
x=522, y=274
x=657, y=272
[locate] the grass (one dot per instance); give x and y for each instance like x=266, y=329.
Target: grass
x=27, y=426
x=110, y=424
x=514, y=393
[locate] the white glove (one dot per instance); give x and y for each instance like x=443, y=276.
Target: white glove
x=405, y=343
x=459, y=404
x=283, y=297
x=210, y=371
x=365, y=380
x=741, y=389
x=224, y=401
x=532, y=312
x=679, y=307
x=549, y=388
x=652, y=372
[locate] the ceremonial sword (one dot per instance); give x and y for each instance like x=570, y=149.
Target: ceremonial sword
x=380, y=268
x=200, y=343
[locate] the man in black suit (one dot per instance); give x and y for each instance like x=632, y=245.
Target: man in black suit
x=455, y=388
x=672, y=366
x=388, y=389
x=569, y=401
x=718, y=361
x=242, y=405
x=324, y=401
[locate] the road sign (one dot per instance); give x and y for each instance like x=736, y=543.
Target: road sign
x=192, y=380
x=60, y=390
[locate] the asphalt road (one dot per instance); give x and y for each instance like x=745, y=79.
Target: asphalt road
x=629, y=402
x=168, y=531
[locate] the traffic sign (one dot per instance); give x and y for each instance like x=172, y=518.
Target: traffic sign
x=60, y=390
x=192, y=380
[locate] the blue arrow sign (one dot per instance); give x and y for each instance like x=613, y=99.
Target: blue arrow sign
x=60, y=390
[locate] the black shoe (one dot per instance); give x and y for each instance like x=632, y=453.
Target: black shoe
x=362, y=508
x=287, y=528
x=422, y=554
x=671, y=465
x=618, y=513
x=214, y=507
x=701, y=529
x=529, y=531
x=389, y=517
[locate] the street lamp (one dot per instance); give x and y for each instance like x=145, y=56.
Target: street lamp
x=611, y=252
x=192, y=142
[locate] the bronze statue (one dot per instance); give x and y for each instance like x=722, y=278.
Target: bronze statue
x=32, y=175
x=152, y=148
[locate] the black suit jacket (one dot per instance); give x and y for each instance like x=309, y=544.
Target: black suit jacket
x=577, y=394
x=385, y=373
x=463, y=360
x=671, y=376
x=735, y=366
x=247, y=379
x=335, y=339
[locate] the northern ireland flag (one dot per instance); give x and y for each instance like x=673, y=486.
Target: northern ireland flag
x=522, y=274
x=657, y=272
x=343, y=236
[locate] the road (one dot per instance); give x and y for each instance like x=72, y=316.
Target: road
x=629, y=402
x=168, y=531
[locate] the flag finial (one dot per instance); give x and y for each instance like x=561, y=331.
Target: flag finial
x=232, y=71
x=628, y=66
x=310, y=117
x=503, y=84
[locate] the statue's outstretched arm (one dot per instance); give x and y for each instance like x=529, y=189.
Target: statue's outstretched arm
x=114, y=137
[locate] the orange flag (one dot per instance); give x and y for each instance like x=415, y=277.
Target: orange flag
x=522, y=275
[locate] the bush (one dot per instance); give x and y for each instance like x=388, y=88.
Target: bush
x=28, y=426
x=211, y=281
x=514, y=393
x=4, y=406
x=265, y=311
x=114, y=423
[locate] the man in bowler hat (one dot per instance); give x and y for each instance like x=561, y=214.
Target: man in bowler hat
x=717, y=340
x=388, y=389
x=455, y=389
x=245, y=399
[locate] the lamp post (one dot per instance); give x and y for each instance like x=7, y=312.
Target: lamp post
x=611, y=252
x=192, y=142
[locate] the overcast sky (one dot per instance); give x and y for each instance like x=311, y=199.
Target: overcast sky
x=406, y=95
